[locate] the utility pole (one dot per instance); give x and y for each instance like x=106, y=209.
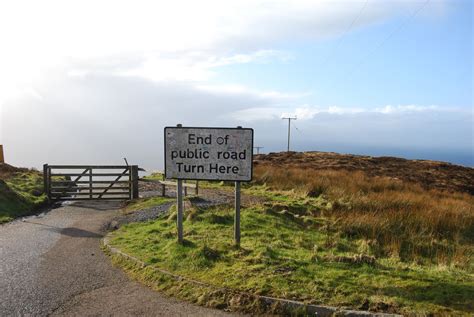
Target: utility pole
x=289, y=125
x=258, y=148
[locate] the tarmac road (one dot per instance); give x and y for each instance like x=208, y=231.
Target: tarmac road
x=52, y=265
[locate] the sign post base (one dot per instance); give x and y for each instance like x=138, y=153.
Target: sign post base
x=237, y=215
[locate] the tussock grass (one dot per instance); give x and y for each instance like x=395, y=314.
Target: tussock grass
x=21, y=193
x=323, y=237
x=285, y=257
x=397, y=218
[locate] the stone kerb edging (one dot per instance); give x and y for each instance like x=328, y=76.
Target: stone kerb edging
x=317, y=310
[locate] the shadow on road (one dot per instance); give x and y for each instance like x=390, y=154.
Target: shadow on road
x=69, y=231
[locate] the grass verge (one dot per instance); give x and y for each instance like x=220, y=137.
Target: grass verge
x=395, y=218
x=198, y=293
x=145, y=203
x=21, y=193
x=322, y=237
x=288, y=257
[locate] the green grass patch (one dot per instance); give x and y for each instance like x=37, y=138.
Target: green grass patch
x=155, y=176
x=291, y=250
x=145, y=203
x=199, y=294
x=21, y=194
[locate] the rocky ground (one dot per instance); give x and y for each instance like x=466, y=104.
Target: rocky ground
x=207, y=198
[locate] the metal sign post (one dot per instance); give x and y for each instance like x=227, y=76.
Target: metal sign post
x=237, y=211
x=223, y=154
x=179, y=220
x=179, y=206
x=237, y=215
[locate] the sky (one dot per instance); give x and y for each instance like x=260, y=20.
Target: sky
x=92, y=82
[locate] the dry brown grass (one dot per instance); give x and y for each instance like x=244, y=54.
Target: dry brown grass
x=7, y=171
x=396, y=218
x=428, y=174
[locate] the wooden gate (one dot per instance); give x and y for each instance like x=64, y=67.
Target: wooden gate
x=90, y=182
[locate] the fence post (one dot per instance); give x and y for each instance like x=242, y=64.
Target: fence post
x=46, y=181
x=135, y=181
x=90, y=183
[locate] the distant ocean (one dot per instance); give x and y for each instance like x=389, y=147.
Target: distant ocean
x=458, y=157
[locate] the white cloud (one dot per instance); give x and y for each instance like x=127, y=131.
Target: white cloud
x=165, y=40
x=195, y=66
x=126, y=115
x=309, y=112
x=121, y=70
x=275, y=96
x=411, y=108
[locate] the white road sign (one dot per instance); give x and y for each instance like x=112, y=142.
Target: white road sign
x=209, y=153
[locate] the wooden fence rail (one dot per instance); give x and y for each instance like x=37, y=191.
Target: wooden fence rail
x=79, y=182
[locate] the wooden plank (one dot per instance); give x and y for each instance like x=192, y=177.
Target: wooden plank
x=87, y=182
x=88, y=193
x=93, y=174
x=83, y=190
x=134, y=172
x=118, y=177
x=88, y=199
x=90, y=183
x=86, y=188
x=49, y=183
x=45, y=180
x=131, y=183
x=121, y=167
x=56, y=194
x=73, y=182
x=103, y=189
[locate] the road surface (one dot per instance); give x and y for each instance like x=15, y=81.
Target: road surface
x=52, y=264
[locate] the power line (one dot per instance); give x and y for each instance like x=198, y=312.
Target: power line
x=389, y=36
x=343, y=34
x=296, y=128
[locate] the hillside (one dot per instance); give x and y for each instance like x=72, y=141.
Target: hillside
x=21, y=192
x=379, y=234
x=428, y=174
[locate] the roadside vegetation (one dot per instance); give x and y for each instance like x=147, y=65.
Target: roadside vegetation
x=394, y=218
x=145, y=203
x=21, y=192
x=326, y=237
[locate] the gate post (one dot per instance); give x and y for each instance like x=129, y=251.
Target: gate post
x=46, y=181
x=91, y=185
x=134, y=171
